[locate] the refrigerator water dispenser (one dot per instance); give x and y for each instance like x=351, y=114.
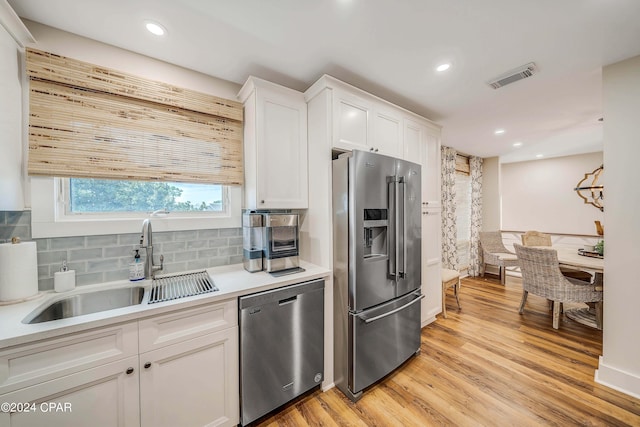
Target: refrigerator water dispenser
x=375, y=233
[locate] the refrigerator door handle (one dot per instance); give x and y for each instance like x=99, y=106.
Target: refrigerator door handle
x=396, y=230
x=392, y=185
x=381, y=316
x=403, y=218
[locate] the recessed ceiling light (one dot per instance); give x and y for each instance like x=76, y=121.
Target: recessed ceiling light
x=155, y=28
x=517, y=144
x=443, y=67
x=539, y=155
x=499, y=131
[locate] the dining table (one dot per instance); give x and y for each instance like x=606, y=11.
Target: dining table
x=589, y=262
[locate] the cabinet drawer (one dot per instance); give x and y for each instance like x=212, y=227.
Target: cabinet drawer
x=160, y=331
x=25, y=365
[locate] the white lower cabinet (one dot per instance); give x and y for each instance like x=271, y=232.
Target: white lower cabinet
x=431, y=264
x=186, y=374
x=193, y=383
x=102, y=396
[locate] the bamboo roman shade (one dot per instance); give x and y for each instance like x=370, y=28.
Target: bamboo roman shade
x=87, y=121
x=462, y=164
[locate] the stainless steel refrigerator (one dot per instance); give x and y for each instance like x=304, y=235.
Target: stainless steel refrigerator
x=377, y=256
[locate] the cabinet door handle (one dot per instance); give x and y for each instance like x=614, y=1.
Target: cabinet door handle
x=376, y=150
x=147, y=365
x=262, y=202
x=371, y=149
x=129, y=371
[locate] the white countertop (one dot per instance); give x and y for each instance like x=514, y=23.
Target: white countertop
x=231, y=280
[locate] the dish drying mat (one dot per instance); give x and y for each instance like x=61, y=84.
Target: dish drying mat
x=180, y=286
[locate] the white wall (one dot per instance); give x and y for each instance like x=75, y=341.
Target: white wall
x=63, y=43
x=491, y=194
x=11, y=173
x=539, y=195
x=619, y=365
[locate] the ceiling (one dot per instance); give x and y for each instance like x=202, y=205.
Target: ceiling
x=391, y=48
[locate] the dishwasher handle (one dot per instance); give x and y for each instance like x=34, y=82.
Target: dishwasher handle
x=373, y=319
x=288, y=300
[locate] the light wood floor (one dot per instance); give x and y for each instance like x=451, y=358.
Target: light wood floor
x=484, y=365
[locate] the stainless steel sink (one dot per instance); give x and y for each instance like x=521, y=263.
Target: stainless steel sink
x=87, y=303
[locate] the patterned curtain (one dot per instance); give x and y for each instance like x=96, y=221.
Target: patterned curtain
x=475, y=164
x=449, y=231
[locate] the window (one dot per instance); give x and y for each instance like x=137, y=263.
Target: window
x=51, y=217
x=120, y=142
x=463, y=218
x=102, y=196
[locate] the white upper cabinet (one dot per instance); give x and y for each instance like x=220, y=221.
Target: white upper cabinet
x=275, y=146
x=431, y=177
x=352, y=123
x=387, y=132
x=361, y=121
x=422, y=145
x=414, y=140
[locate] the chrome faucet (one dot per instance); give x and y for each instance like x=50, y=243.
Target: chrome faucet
x=146, y=241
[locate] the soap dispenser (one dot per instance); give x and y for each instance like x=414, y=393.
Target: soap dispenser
x=136, y=268
x=65, y=279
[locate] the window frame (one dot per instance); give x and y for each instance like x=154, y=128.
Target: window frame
x=48, y=218
x=63, y=206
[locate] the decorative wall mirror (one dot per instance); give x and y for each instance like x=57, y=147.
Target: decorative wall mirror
x=590, y=191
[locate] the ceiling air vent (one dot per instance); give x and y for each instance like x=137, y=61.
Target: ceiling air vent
x=514, y=75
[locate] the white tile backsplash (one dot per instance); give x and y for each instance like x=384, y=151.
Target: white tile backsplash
x=106, y=258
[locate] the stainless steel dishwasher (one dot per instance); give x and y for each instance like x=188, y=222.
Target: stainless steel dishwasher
x=281, y=346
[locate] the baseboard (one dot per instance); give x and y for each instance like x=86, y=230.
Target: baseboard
x=326, y=387
x=616, y=379
x=430, y=317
